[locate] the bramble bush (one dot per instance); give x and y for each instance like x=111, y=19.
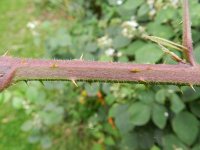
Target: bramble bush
x=109, y=116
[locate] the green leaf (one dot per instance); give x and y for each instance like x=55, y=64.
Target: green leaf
x=27, y=126
x=34, y=95
x=162, y=31
x=164, y=15
x=194, y=107
x=110, y=99
x=120, y=41
x=34, y=138
x=149, y=53
x=91, y=47
x=185, y=125
x=161, y=96
x=109, y=141
x=52, y=114
x=146, y=96
x=197, y=53
x=17, y=102
x=116, y=2
x=170, y=142
x=196, y=147
x=46, y=142
x=122, y=120
x=143, y=12
x=1, y=98
x=133, y=47
x=177, y=104
x=159, y=116
x=189, y=94
x=91, y=89
x=132, y=4
x=140, y=113
x=129, y=142
x=155, y=148
x=97, y=147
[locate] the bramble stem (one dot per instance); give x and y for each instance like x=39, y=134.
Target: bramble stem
x=187, y=37
x=15, y=69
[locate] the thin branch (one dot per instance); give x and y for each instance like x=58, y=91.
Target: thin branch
x=15, y=69
x=187, y=37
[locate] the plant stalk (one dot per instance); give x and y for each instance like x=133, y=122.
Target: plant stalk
x=187, y=36
x=16, y=69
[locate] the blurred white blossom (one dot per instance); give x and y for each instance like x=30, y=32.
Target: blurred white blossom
x=150, y=2
x=119, y=54
x=152, y=12
x=175, y=3
x=104, y=41
x=129, y=27
x=166, y=114
x=119, y=2
x=110, y=52
x=32, y=25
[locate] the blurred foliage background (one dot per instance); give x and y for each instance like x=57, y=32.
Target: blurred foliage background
x=96, y=116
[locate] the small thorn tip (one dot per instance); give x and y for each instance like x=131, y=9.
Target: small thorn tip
x=74, y=82
x=81, y=58
x=192, y=87
x=5, y=54
x=42, y=82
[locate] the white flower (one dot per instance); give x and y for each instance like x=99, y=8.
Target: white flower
x=32, y=25
x=152, y=12
x=129, y=28
x=119, y=2
x=166, y=114
x=132, y=24
x=104, y=41
x=119, y=54
x=150, y=2
x=175, y=3
x=110, y=52
x=90, y=125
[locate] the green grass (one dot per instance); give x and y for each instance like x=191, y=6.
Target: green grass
x=15, y=37
x=18, y=40
x=12, y=138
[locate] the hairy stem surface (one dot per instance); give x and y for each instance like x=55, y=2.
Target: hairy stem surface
x=15, y=69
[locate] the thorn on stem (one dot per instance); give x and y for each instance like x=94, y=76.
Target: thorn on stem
x=74, y=82
x=180, y=89
x=142, y=80
x=192, y=87
x=81, y=58
x=26, y=82
x=5, y=54
x=41, y=82
x=181, y=22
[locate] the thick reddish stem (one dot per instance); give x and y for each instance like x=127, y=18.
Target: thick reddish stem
x=15, y=69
